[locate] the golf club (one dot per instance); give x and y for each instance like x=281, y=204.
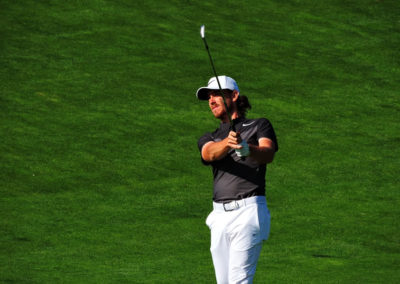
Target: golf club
x=202, y=33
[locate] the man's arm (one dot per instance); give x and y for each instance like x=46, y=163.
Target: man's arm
x=213, y=151
x=265, y=151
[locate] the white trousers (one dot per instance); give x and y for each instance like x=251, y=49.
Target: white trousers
x=237, y=232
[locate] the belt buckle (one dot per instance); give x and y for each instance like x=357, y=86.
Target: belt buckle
x=230, y=206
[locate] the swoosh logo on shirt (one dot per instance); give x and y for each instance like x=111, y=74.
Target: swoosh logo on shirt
x=247, y=124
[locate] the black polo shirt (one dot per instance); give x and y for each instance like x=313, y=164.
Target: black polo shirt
x=236, y=178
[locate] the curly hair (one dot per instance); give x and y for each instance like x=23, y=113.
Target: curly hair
x=243, y=105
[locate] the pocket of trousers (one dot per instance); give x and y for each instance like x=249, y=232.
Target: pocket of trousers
x=209, y=220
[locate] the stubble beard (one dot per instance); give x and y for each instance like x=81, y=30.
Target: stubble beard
x=222, y=114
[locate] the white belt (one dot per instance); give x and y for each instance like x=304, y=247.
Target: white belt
x=236, y=204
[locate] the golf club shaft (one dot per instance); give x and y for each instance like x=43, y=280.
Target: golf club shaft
x=219, y=85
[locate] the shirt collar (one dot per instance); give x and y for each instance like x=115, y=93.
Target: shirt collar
x=235, y=121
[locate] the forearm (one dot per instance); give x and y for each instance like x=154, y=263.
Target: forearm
x=262, y=154
x=213, y=151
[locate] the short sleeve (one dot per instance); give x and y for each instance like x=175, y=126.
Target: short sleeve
x=202, y=141
x=265, y=130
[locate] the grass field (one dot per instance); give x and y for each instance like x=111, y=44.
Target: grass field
x=101, y=180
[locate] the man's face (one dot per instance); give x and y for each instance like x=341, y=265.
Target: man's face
x=216, y=102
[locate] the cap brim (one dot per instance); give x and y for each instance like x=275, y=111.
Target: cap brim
x=202, y=93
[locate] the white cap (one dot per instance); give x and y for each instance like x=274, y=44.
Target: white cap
x=225, y=81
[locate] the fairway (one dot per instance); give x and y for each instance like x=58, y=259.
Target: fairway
x=101, y=179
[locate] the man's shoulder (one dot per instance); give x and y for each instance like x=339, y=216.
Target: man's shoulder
x=209, y=135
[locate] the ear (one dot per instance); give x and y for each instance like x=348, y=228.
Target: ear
x=235, y=95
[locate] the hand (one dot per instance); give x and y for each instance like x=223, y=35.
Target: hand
x=234, y=140
x=244, y=151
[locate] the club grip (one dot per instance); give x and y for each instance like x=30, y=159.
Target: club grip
x=233, y=128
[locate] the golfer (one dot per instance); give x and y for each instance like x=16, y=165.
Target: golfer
x=240, y=219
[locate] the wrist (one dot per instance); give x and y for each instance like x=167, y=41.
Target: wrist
x=244, y=151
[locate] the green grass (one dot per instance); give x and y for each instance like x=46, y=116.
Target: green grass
x=100, y=177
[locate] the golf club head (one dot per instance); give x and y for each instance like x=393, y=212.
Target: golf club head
x=202, y=31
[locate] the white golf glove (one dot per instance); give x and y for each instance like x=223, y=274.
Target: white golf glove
x=244, y=151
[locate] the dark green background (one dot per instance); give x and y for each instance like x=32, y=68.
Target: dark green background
x=101, y=180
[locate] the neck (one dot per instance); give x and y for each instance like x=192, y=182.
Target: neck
x=225, y=119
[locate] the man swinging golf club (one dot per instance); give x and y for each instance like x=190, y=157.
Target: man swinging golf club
x=238, y=151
